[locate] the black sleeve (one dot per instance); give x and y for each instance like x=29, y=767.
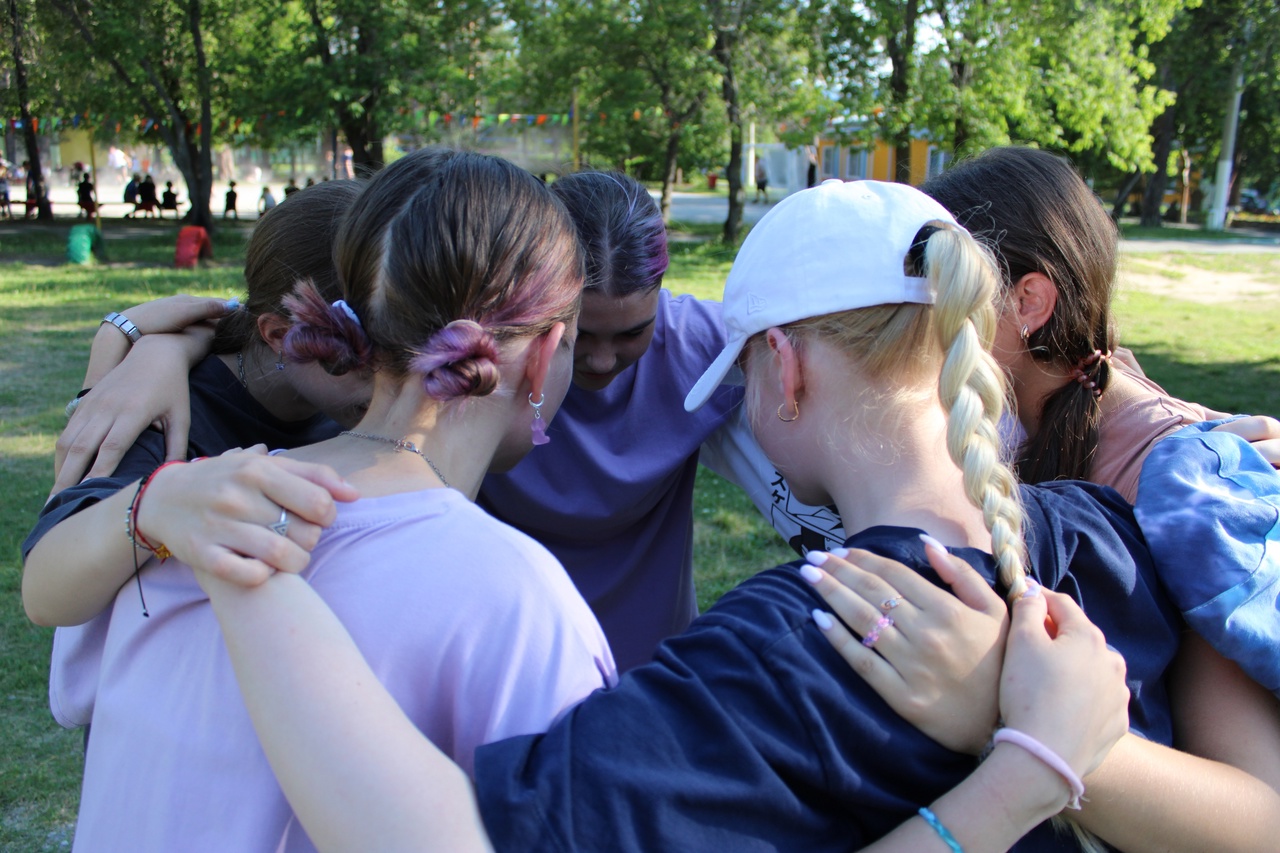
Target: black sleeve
x=147, y=453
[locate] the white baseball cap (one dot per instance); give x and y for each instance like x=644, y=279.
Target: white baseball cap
x=835, y=247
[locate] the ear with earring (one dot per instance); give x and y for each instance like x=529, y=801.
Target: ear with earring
x=795, y=412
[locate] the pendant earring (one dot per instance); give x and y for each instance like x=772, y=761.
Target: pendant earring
x=539, y=426
x=280, y=360
x=795, y=405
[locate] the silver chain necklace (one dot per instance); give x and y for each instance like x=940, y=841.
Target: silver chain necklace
x=399, y=444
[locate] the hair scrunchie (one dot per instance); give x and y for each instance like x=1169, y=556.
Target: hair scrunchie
x=329, y=334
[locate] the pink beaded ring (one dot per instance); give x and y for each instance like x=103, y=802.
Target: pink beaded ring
x=873, y=636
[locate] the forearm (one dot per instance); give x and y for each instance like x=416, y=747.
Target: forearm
x=357, y=772
x=1006, y=797
x=75, y=570
x=1150, y=797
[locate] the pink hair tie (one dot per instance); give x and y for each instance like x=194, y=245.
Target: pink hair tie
x=1080, y=373
x=1054, y=761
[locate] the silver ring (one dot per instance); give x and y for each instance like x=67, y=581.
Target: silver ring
x=281, y=526
x=889, y=603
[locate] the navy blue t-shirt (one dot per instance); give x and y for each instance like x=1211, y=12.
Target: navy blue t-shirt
x=749, y=732
x=223, y=416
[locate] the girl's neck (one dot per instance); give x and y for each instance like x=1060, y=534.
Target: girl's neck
x=456, y=442
x=256, y=369
x=902, y=476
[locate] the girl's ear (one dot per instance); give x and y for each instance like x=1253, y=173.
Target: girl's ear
x=1035, y=296
x=272, y=328
x=539, y=357
x=786, y=361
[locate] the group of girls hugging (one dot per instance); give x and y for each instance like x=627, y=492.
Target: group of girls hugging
x=397, y=555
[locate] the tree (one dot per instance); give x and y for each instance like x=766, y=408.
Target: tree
x=35, y=174
x=156, y=62
x=376, y=59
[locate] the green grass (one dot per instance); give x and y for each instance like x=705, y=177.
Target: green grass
x=1227, y=357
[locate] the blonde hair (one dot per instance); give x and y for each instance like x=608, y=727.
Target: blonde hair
x=905, y=342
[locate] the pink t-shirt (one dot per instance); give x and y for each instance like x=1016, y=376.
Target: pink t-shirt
x=1139, y=414
x=474, y=628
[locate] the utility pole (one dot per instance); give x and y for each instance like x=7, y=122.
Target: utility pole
x=1222, y=181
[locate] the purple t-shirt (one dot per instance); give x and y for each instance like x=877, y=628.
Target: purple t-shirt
x=612, y=494
x=473, y=628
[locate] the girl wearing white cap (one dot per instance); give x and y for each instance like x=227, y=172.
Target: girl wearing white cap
x=749, y=731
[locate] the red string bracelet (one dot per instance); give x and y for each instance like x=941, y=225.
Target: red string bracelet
x=131, y=518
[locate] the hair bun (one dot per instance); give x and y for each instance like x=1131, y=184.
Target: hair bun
x=324, y=333
x=460, y=360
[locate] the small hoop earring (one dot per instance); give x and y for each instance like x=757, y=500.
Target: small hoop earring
x=1026, y=333
x=795, y=405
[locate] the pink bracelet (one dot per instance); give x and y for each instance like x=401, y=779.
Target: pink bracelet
x=1048, y=756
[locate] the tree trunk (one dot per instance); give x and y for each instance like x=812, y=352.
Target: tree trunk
x=901, y=49
x=1122, y=196
x=1162, y=143
x=200, y=189
x=729, y=89
x=44, y=211
x=669, y=171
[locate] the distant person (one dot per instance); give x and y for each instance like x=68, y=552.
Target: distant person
x=230, y=202
x=811, y=177
x=147, y=200
x=85, y=196
x=762, y=180
x=169, y=200
x=266, y=201
x=4, y=191
x=84, y=244
x=131, y=193
x=348, y=163
x=193, y=246
x=118, y=163
x=32, y=187
x=311, y=182
x=291, y=187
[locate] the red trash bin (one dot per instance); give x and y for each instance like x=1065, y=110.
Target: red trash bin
x=193, y=245
x=712, y=177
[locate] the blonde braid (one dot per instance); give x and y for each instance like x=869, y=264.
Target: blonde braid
x=971, y=388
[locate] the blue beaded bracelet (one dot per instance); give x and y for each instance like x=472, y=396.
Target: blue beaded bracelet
x=947, y=838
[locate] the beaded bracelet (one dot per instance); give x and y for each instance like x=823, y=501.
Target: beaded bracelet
x=943, y=833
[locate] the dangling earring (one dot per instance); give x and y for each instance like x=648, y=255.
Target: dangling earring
x=539, y=426
x=1026, y=333
x=795, y=405
x=280, y=360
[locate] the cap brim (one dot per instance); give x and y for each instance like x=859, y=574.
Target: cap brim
x=713, y=376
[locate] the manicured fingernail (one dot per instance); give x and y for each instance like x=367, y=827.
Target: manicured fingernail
x=1032, y=590
x=231, y=304
x=817, y=558
x=810, y=574
x=839, y=552
x=930, y=542
x=823, y=620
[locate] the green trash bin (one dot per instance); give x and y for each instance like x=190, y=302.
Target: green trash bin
x=84, y=244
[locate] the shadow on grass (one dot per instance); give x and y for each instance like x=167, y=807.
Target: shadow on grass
x=1228, y=386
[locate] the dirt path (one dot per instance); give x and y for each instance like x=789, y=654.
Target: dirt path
x=1156, y=269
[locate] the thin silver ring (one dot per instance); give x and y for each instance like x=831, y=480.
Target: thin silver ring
x=281, y=526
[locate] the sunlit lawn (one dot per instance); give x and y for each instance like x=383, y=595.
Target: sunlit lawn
x=1225, y=357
